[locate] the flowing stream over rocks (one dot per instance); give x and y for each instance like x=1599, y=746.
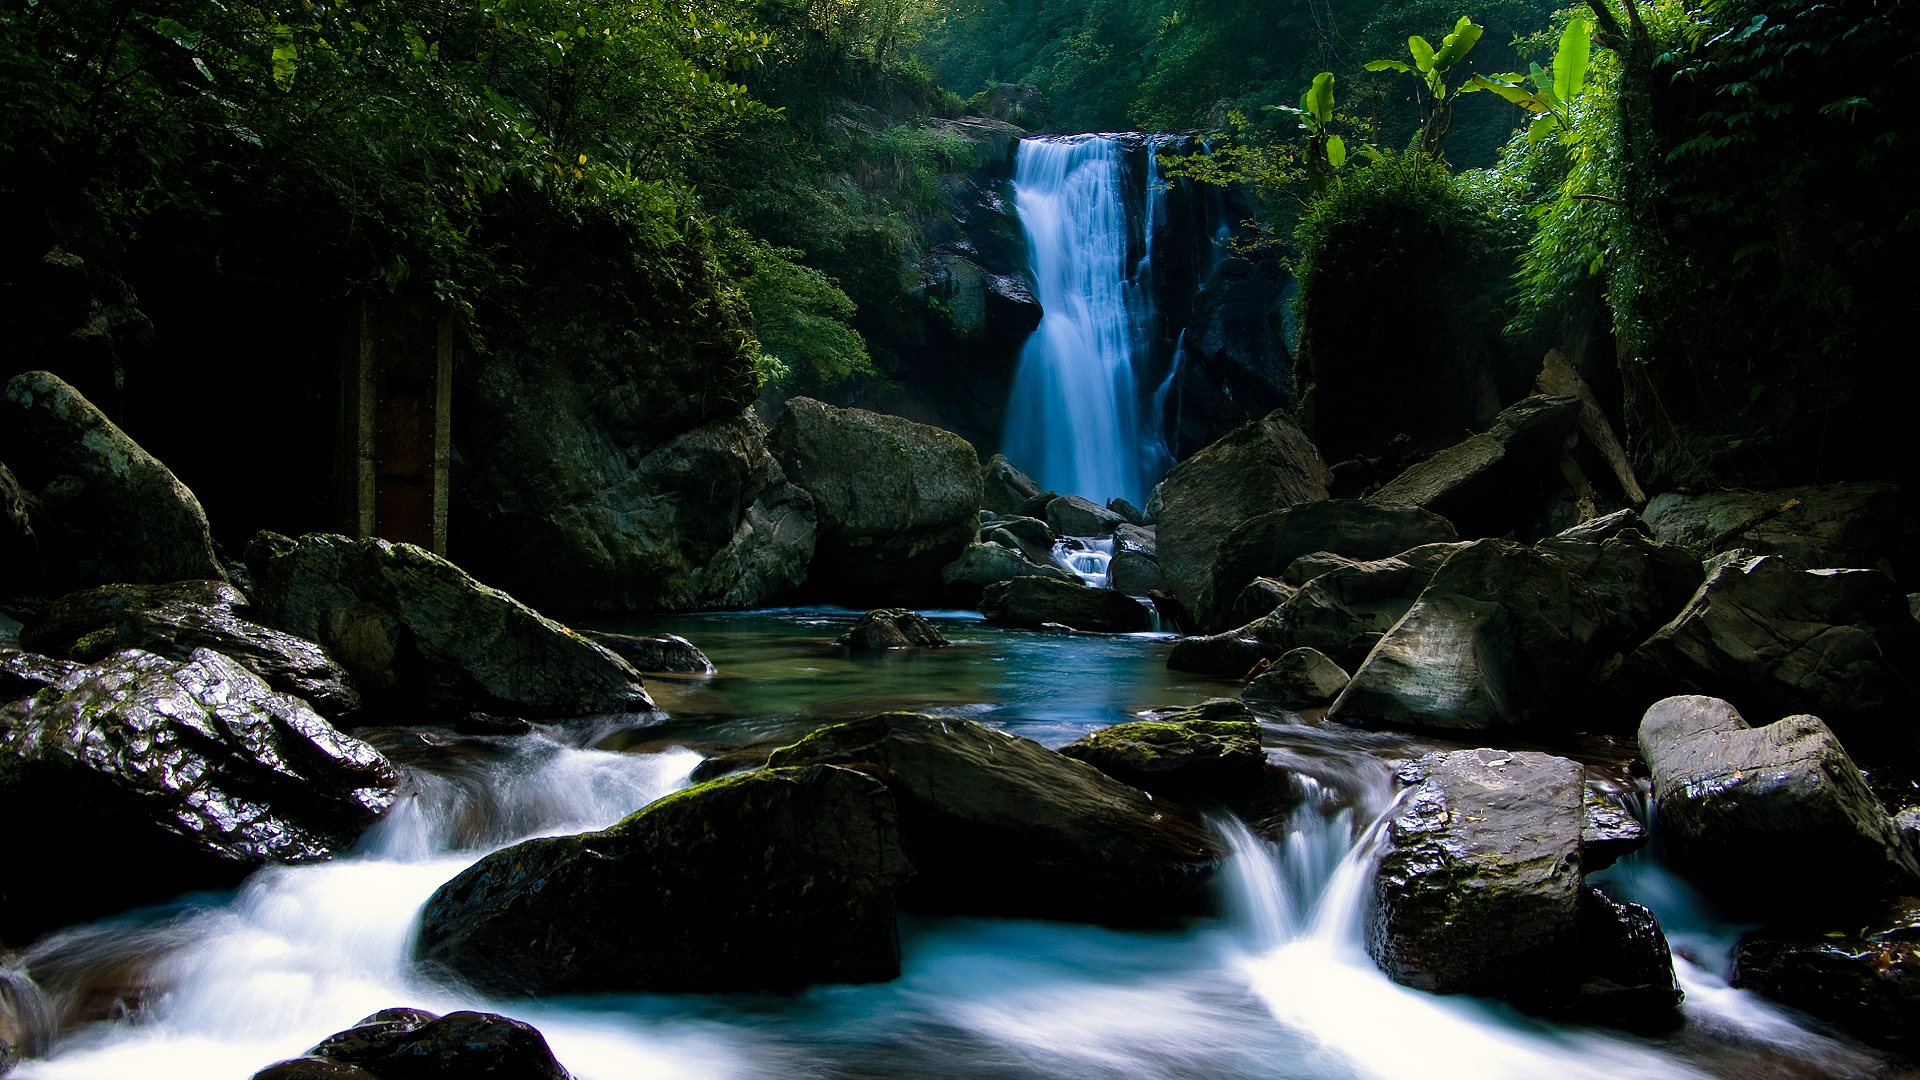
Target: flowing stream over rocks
x=1276, y=985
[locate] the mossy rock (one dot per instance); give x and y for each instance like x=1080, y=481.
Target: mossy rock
x=1210, y=749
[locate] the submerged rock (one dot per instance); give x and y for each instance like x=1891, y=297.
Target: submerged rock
x=1033, y=601
x=1264, y=466
x=895, y=500
x=193, y=772
x=418, y=633
x=999, y=825
x=1211, y=749
x=1865, y=978
x=659, y=652
x=413, y=1044
x=108, y=510
x=772, y=880
x=1264, y=546
x=891, y=628
x=173, y=620
x=1774, y=822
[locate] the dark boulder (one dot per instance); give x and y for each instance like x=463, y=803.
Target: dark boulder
x=24, y=674
x=1032, y=601
x=1235, y=654
x=196, y=771
x=1265, y=545
x=658, y=652
x=1000, y=825
x=1473, y=484
x=418, y=633
x=412, y=1044
x=1771, y=822
x=981, y=565
x=1264, y=466
x=1775, y=641
x=1071, y=515
x=173, y=620
x=891, y=628
x=1479, y=892
x=26, y=570
x=1865, y=978
x=108, y=510
x=1262, y=597
x=895, y=500
x=1212, y=749
x=1343, y=610
x=1609, y=832
x=772, y=880
x=1855, y=525
x=1004, y=488
x=1135, y=569
x=1299, y=677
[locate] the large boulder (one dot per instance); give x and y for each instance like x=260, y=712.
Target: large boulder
x=1857, y=525
x=1343, y=610
x=1865, y=979
x=1000, y=825
x=108, y=510
x=1264, y=466
x=1506, y=635
x=191, y=773
x=1135, y=568
x=895, y=500
x=413, y=1044
x=981, y=565
x=1479, y=892
x=656, y=652
x=173, y=620
x=1072, y=515
x=1035, y=601
x=1212, y=749
x=1298, y=677
x=1775, y=640
x=418, y=633
x=1473, y=483
x=891, y=628
x=772, y=880
x=1771, y=822
x=1004, y=488
x=1265, y=545
x=576, y=518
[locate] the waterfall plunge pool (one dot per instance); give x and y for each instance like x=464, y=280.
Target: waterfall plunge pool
x=1277, y=986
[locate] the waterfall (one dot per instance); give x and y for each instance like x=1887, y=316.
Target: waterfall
x=1074, y=421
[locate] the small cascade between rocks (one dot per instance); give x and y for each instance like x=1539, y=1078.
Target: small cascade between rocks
x=1075, y=420
x=1087, y=556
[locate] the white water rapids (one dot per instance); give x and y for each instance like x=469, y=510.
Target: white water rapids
x=1278, y=986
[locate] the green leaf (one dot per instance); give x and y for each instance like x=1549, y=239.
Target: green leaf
x=1388, y=65
x=1455, y=46
x=1570, y=63
x=1516, y=94
x=1544, y=126
x=1336, y=151
x=1318, y=100
x=284, y=56
x=1422, y=52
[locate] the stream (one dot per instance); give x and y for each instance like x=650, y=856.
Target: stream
x=1277, y=985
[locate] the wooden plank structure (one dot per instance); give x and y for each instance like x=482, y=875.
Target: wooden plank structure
x=397, y=374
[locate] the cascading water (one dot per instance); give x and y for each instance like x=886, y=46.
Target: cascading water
x=1075, y=419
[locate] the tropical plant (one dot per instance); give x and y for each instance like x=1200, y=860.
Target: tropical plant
x=1433, y=66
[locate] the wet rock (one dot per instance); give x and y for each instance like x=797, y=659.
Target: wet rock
x=1472, y=483
x=108, y=510
x=981, y=565
x=1853, y=525
x=1234, y=654
x=1212, y=749
x=24, y=674
x=1479, y=889
x=1004, y=488
x=1863, y=978
x=1626, y=976
x=197, y=770
x=1031, y=601
x=773, y=880
x=1775, y=640
x=1262, y=597
x=418, y=633
x=895, y=500
x=999, y=825
x=1298, y=677
x=1071, y=515
x=1609, y=832
x=1128, y=512
x=658, y=652
x=1771, y=822
x=1265, y=545
x=1344, y=609
x=1264, y=466
x=412, y=1044
x=891, y=628
x=479, y=723
x=173, y=620
x=1506, y=635
x=1135, y=568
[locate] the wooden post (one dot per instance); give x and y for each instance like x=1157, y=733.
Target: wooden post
x=399, y=405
